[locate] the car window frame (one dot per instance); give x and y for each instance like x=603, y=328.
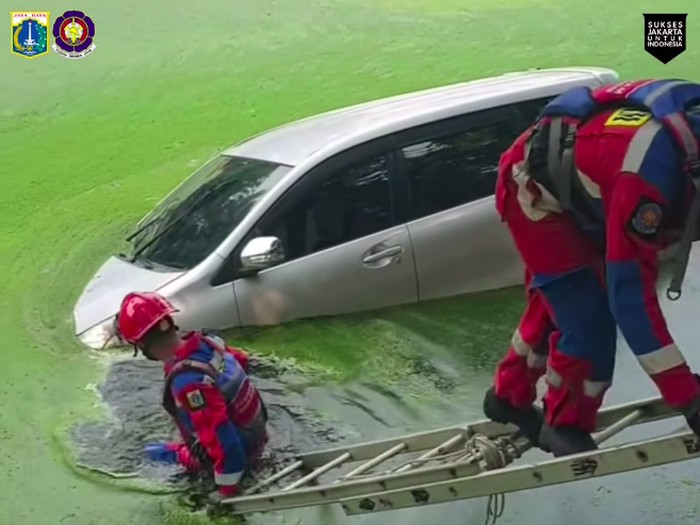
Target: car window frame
x=449, y=126
x=229, y=271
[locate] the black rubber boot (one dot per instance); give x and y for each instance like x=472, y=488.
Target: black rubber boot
x=529, y=420
x=563, y=441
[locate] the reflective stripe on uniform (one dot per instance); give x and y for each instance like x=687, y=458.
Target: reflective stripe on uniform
x=590, y=388
x=519, y=345
x=639, y=145
x=227, y=479
x=661, y=360
x=553, y=378
x=592, y=188
x=685, y=134
x=595, y=388
x=522, y=349
x=535, y=360
x=656, y=94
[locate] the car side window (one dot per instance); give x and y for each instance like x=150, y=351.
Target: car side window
x=461, y=167
x=530, y=109
x=350, y=203
x=455, y=169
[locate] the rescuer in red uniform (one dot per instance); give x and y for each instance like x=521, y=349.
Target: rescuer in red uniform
x=591, y=193
x=207, y=391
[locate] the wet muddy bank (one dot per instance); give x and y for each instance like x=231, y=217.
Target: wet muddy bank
x=132, y=393
x=304, y=415
x=349, y=380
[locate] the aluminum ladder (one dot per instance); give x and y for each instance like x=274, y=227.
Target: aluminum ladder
x=457, y=463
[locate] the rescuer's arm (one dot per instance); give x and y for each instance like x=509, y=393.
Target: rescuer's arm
x=207, y=410
x=636, y=214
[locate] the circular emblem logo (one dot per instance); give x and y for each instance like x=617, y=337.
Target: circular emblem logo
x=648, y=218
x=73, y=33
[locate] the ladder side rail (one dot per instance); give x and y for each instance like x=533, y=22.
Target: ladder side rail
x=678, y=447
x=654, y=410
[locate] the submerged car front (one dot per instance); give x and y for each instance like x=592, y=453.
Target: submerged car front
x=174, y=247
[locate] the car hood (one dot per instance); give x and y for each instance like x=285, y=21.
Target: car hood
x=103, y=295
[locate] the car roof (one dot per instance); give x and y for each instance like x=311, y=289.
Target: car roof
x=294, y=143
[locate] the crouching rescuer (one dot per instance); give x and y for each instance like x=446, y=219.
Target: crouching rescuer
x=592, y=192
x=220, y=414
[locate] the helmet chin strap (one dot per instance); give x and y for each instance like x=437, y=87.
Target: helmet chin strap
x=145, y=353
x=148, y=356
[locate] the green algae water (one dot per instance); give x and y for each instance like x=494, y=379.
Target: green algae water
x=89, y=146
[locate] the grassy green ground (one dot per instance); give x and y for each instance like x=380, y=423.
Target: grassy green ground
x=88, y=146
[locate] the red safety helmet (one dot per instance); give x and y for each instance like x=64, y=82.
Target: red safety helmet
x=140, y=312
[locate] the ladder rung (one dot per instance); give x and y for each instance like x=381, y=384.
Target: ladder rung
x=618, y=426
x=381, y=458
x=277, y=476
x=437, y=451
x=371, y=449
x=319, y=471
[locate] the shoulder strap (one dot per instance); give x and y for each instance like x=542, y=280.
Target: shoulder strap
x=186, y=365
x=216, y=345
x=560, y=159
x=667, y=100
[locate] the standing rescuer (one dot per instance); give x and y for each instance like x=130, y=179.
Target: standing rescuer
x=220, y=414
x=592, y=192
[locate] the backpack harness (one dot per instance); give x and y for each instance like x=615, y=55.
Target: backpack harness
x=190, y=365
x=551, y=162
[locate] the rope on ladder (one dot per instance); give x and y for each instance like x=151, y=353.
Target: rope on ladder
x=496, y=455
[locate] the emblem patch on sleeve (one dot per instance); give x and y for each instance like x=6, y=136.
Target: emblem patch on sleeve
x=195, y=400
x=647, y=218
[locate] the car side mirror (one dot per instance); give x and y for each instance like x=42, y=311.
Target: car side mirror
x=261, y=253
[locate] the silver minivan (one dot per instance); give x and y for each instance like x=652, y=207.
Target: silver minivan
x=380, y=204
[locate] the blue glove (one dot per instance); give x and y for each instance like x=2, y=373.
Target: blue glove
x=161, y=452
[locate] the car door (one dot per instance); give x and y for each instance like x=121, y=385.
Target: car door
x=345, y=250
x=450, y=167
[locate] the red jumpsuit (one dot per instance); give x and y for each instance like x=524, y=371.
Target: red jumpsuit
x=579, y=291
x=217, y=407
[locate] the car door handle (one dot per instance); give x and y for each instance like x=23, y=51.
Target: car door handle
x=383, y=254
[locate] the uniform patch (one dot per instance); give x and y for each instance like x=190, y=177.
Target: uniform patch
x=632, y=118
x=647, y=218
x=195, y=399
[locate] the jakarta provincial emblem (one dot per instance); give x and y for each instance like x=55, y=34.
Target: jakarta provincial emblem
x=73, y=33
x=30, y=33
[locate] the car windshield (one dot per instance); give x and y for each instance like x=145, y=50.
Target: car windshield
x=191, y=222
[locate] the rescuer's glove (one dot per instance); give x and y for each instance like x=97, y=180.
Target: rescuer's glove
x=172, y=453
